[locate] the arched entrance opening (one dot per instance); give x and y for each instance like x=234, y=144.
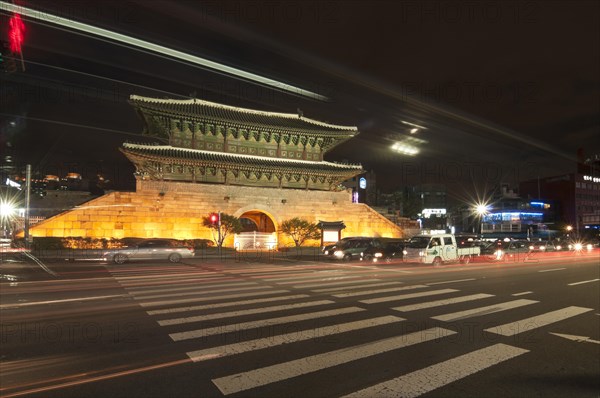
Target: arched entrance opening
x=259, y=232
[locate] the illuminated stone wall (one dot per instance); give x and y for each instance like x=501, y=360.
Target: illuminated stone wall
x=175, y=210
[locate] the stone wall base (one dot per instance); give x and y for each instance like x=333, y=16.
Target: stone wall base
x=175, y=210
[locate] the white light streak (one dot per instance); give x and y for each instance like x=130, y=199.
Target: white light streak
x=162, y=50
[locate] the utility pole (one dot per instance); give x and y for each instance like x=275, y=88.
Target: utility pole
x=27, y=203
x=219, y=229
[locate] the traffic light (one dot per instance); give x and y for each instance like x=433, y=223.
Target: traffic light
x=214, y=218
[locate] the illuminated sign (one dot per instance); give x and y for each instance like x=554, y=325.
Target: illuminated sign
x=590, y=178
x=362, y=183
x=427, y=213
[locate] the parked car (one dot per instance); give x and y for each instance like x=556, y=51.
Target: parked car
x=546, y=246
x=328, y=250
x=352, y=248
x=510, y=249
x=387, y=251
x=150, y=249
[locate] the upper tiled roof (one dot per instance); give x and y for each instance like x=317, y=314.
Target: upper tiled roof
x=242, y=116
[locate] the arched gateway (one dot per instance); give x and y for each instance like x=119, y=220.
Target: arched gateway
x=264, y=167
x=260, y=231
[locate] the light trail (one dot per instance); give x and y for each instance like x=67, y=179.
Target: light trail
x=96, y=378
x=157, y=49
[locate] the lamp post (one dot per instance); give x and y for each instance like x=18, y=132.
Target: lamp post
x=481, y=209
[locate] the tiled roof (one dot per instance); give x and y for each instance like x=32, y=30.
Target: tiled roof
x=197, y=155
x=242, y=116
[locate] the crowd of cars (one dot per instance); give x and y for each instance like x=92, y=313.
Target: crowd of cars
x=373, y=249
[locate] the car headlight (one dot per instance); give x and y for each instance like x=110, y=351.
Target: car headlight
x=578, y=246
x=498, y=253
x=589, y=246
x=531, y=247
x=542, y=248
x=326, y=252
x=559, y=247
x=338, y=253
x=421, y=254
x=378, y=254
x=404, y=252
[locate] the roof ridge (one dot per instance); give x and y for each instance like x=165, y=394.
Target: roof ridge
x=197, y=101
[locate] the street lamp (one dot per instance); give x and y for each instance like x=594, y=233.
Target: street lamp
x=481, y=209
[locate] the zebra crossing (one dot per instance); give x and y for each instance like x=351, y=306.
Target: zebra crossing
x=291, y=301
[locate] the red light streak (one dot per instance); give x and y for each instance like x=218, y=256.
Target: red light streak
x=16, y=33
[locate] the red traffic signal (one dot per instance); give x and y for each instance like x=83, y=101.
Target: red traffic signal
x=214, y=218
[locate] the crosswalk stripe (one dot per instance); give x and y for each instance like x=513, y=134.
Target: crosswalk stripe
x=332, y=283
x=323, y=279
x=438, y=303
x=311, y=276
x=376, y=291
x=144, y=283
x=293, y=337
x=489, y=309
x=231, y=314
x=189, y=287
x=227, y=304
x=407, y=296
x=534, y=322
x=200, y=299
x=282, y=371
x=201, y=291
x=433, y=377
x=365, y=286
x=181, y=275
x=237, y=327
x=454, y=281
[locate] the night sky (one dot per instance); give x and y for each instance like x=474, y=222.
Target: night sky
x=507, y=90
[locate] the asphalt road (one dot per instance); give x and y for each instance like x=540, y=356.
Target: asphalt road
x=302, y=329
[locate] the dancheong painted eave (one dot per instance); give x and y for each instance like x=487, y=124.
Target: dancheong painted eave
x=242, y=116
x=196, y=155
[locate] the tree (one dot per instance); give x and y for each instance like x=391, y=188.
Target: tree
x=229, y=225
x=300, y=230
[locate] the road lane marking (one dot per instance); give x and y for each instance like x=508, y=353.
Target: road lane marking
x=200, y=299
x=438, y=303
x=579, y=283
x=232, y=314
x=433, y=377
x=521, y=294
x=579, y=339
x=237, y=327
x=227, y=304
x=407, y=296
x=285, y=370
x=534, y=322
x=189, y=287
x=490, y=309
x=550, y=270
x=376, y=291
x=288, y=338
x=457, y=280
x=365, y=286
x=202, y=292
x=17, y=305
